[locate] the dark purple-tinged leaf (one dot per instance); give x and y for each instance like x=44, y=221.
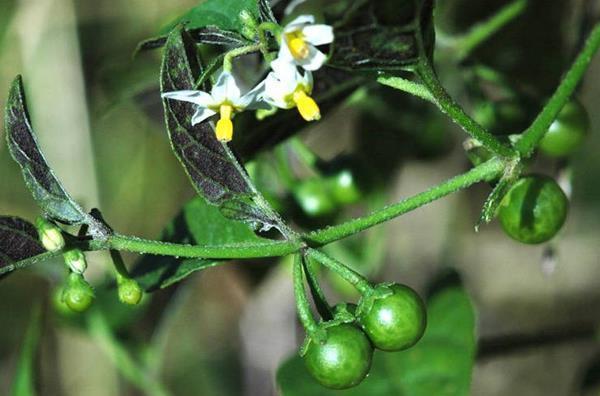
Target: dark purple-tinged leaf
x=212, y=167
x=211, y=35
x=18, y=240
x=383, y=35
x=39, y=178
x=264, y=9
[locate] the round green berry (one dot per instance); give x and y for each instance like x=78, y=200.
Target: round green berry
x=78, y=294
x=340, y=357
x=393, y=316
x=567, y=133
x=534, y=209
x=313, y=197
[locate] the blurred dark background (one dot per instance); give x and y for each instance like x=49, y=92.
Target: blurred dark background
x=97, y=113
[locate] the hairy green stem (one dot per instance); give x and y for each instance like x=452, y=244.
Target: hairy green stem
x=532, y=135
x=238, y=52
x=465, y=44
x=302, y=304
x=318, y=296
x=348, y=274
x=408, y=86
x=229, y=251
x=449, y=106
x=485, y=171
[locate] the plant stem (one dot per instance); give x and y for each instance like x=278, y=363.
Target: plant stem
x=532, y=135
x=318, y=296
x=408, y=86
x=485, y=171
x=351, y=276
x=238, y=52
x=465, y=44
x=449, y=106
x=230, y=251
x=302, y=305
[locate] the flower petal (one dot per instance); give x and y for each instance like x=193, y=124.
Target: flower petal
x=203, y=99
x=202, y=114
x=314, y=60
x=225, y=88
x=290, y=7
x=318, y=34
x=253, y=99
x=284, y=53
x=299, y=22
x=286, y=73
x=275, y=91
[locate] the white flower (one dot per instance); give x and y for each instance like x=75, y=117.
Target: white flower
x=225, y=98
x=299, y=39
x=286, y=88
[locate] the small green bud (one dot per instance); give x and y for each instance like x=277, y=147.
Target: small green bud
x=76, y=261
x=130, y=292
x=50, y=235
x=248, y=25
x=78, y=294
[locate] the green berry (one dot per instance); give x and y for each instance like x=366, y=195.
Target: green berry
x=130, y=292
x=343, y=187
x=567, y=133
x=534, y=209
x=393, y=316
x=78, y=294
x=313, y=197
x=340, y=358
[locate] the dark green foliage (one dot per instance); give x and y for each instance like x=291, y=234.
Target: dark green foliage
x=18, y=240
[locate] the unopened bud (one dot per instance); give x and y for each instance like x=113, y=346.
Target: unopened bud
x=130, y=292
x=76, y=261
x=78, y=294
x=50, y=235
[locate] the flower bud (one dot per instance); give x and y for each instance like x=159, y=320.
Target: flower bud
x=76, y=261
x=50, y=235
x=130, y=292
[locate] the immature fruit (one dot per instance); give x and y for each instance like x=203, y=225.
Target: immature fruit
x=343, y=187
x=313, y=197
x=534, y=209
x=78, y=294
x=393, y=316
x=567, y=133
x=340, y=358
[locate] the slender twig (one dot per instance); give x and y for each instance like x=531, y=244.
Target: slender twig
x=354, y=278
x=302, y=305
x=485, y=171
x=227, y=251
x=535, y=132
x=449, y=106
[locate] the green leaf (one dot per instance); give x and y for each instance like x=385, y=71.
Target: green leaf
x=39, y=178
x=224, y=14
x=383, y=35
x=211, y=165
x=18, y=241
x=24, y=380
x=198, y=223
x=266, y=14
x=440, y=364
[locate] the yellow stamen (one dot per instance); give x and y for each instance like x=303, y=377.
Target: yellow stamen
x=307, y=107
x=224, y=130
x=297, y=45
